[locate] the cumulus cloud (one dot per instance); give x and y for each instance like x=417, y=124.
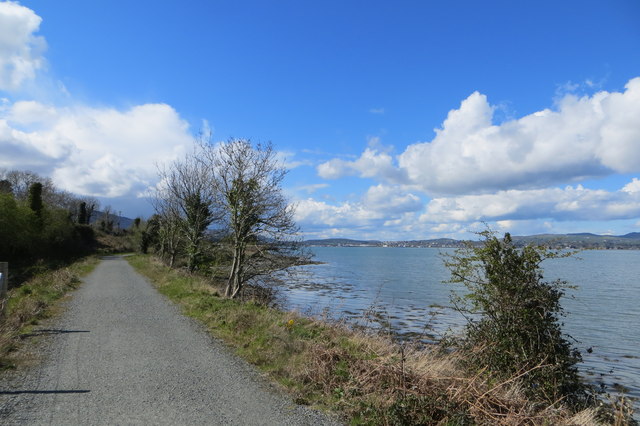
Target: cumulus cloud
x=372, y=163
x=570, y=203
x=632, y=187
x=388, y=200
x=383, y=210
x=583, y=137
x=586, y=136
x=20, y=50
x=94, y=151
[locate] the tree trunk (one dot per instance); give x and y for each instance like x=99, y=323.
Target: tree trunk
x=230, y=283
x=172, y=259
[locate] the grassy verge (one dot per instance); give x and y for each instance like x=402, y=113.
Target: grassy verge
x=33, y=301
x=366, y=379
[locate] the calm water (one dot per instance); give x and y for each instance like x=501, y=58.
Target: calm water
x=401, y=289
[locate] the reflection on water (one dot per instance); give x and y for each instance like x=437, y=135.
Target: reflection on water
x=402, y=290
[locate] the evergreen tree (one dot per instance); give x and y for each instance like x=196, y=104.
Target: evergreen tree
x=82, y=214
x=35, y=198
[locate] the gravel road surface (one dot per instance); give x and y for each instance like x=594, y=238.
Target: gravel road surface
x=122, y=354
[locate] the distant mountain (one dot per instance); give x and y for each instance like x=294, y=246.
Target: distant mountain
x=120, y=221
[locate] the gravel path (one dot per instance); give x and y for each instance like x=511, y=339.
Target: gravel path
x=122, y=354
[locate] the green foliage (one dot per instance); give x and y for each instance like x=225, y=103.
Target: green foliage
x=141, y=234
x=16, y=228
x=28, y=236
x=513, y=318
x=198, y=216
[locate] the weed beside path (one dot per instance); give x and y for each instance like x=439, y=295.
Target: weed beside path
x=365, y=378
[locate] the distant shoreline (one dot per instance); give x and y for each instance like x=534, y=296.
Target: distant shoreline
x=583, y=241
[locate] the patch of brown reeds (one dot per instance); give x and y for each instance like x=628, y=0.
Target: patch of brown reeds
x=386, y=383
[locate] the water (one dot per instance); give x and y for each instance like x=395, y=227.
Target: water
x=401, y=289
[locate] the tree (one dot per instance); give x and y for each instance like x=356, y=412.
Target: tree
x=513, y=318
x=252, y=209
x=107, y=220
x=6, y=187
x=16, y=229
x=35, y=198
x=185, y=202
x=166, y=231
x=82, y=214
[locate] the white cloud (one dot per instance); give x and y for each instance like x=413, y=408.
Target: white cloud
x=446, y=227
x=587, y=136
x=310, y=189
x=584, y=137
x=390, y=200
x=570, y=203
x=95, y=151
x=633, y=186
x=380, y=206
x=20, y=50
x=286, y=159
x=378, y=111
x=311, y=213
x=372, y=163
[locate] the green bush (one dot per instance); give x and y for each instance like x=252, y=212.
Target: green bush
x=513, y=327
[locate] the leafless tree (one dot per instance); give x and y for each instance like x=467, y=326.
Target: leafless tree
x=185, y=203
x=258, y=220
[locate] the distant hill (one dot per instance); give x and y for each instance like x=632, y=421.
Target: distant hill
x=584, y=240
x=120, y=221
x=634, y=235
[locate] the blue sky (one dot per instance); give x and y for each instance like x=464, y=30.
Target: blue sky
x=399, y=120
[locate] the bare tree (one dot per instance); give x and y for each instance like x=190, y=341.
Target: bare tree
x=185, y=202
x=20, y=182
x=257, y=217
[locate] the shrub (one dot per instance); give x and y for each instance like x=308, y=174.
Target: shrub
x=513, y=328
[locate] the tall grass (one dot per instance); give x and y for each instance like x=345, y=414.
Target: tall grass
x=365, y=378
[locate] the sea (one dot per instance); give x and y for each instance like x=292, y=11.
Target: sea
x=403, y=292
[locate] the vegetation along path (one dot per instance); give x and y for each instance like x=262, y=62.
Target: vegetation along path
x=122, y=354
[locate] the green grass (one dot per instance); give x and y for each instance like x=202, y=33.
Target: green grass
x=33, y=301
